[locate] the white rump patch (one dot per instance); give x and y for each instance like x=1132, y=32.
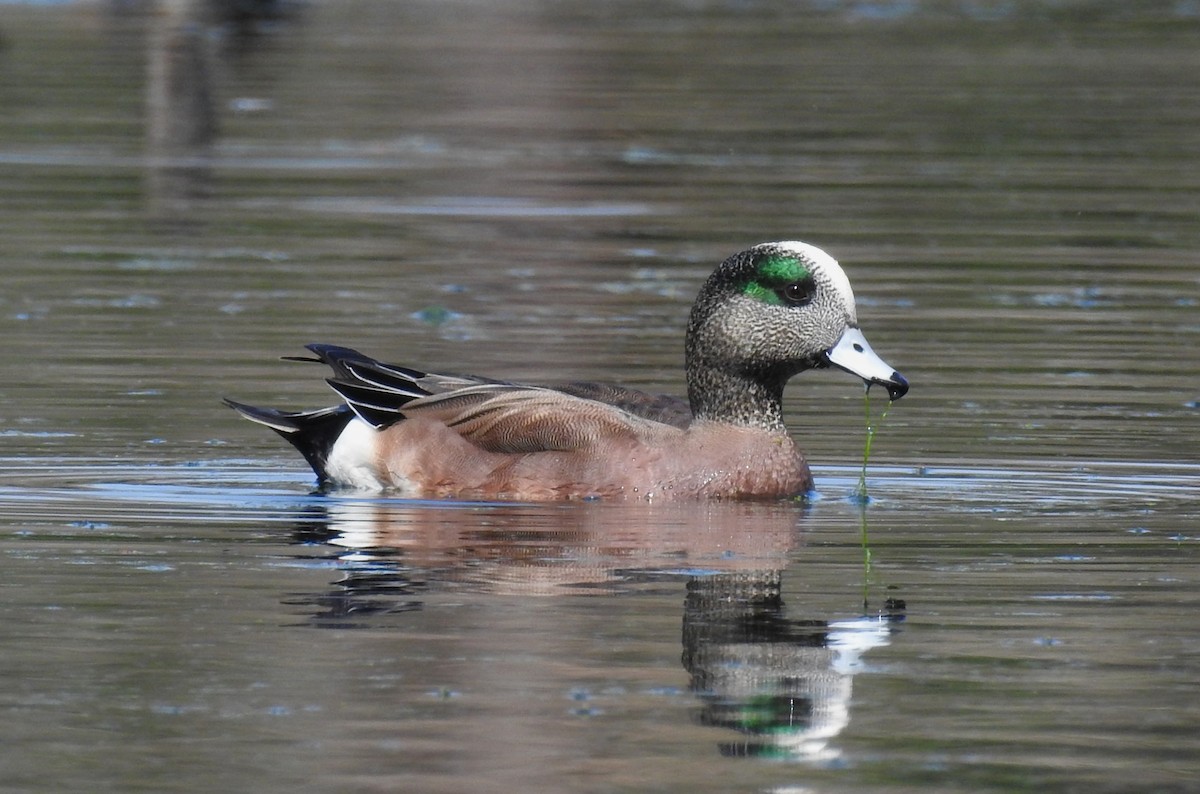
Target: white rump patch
x=353, y=461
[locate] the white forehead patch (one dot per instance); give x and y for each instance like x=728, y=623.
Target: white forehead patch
x=828, y=272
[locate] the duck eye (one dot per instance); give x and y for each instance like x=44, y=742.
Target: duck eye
x=796, y=294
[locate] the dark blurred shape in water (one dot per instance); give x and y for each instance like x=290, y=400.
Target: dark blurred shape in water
x=181, y=122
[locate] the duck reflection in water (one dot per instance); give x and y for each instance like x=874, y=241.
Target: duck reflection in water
x=782, y=683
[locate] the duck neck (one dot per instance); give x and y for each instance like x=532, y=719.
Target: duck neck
x=737, y=398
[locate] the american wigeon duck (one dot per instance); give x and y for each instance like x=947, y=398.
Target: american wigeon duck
x=764, y=315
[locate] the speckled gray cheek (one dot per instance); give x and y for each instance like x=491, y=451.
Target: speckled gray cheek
x=830, y=309
x=828, y=323
x=736, y=333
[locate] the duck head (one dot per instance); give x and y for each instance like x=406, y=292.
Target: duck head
x=764, y=315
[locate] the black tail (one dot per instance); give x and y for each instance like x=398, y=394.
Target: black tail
x=377, y=392
x=313, y=433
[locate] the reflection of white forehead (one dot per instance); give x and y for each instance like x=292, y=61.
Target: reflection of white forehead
x=850, y=639
x=831, y=273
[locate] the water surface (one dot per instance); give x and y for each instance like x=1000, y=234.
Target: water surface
x=536, y=191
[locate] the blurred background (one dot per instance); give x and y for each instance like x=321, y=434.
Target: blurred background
x=535, y=189
x=193, y=188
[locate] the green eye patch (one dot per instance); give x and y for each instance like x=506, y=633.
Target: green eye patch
x=773, y=274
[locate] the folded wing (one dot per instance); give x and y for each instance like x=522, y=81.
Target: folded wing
x=498, y=416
